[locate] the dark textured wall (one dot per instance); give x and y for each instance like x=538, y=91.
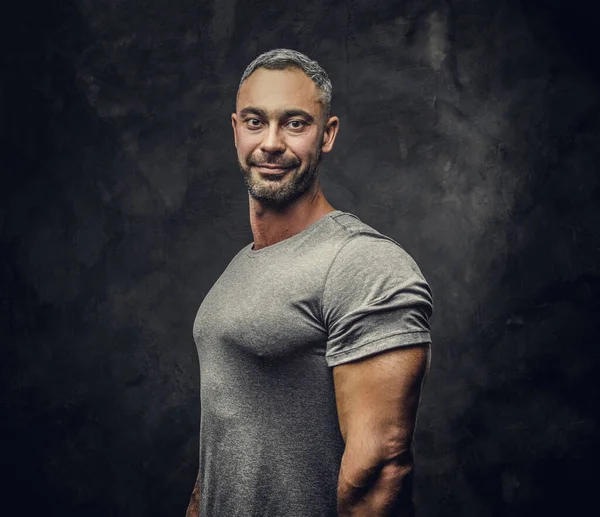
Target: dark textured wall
x=469, y=133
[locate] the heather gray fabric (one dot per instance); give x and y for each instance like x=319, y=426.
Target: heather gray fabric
x=268, y=334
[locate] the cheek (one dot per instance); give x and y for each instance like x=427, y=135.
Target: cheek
x=245, y=145
x=305, y=150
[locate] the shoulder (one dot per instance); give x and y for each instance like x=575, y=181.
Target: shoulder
x=364, y=249
x=374, y=296
x=371, y=263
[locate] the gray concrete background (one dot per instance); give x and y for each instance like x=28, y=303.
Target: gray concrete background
x=469, y=133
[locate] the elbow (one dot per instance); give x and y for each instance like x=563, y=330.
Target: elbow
x=392, y=463
x=382, y=489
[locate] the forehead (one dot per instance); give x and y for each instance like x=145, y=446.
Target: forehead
x=274, y=90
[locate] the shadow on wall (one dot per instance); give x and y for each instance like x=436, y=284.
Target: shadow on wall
x=85, y=394
x=520, y=392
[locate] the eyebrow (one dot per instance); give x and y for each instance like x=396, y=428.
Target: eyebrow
x=283, y=113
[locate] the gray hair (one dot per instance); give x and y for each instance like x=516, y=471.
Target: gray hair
x=282, y=59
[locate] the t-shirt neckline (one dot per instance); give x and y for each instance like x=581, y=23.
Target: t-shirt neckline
x=310, y=228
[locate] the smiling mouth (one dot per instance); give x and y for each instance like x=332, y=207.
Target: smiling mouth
x=272, y=170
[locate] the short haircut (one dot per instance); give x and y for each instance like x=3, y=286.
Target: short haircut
x=282, y=59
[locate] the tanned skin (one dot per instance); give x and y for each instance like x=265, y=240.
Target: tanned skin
x=193, y=509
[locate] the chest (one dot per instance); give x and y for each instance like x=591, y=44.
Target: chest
x=269, y=309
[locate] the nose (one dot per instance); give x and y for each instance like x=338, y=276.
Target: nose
x=272, y=141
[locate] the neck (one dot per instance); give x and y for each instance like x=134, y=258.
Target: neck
x=272, y=225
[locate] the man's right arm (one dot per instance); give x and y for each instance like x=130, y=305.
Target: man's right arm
x=193, y=509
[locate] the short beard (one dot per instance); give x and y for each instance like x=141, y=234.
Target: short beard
x=293, y=188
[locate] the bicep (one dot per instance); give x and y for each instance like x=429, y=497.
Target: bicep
x=377, y=400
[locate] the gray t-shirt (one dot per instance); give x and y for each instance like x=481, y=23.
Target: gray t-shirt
x=268, y=334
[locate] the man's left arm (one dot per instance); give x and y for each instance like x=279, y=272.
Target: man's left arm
x=377, y=400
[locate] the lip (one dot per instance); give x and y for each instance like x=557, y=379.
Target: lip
x=272, y=170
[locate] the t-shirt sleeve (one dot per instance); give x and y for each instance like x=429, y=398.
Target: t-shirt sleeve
x=375, y=298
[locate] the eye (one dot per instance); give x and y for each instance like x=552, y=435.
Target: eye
x=250, y=120
x=301, y=123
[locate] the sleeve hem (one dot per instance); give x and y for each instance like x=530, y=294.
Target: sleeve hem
x=378, y=345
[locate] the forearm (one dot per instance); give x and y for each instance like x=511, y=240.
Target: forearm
x=381, y=492
x=193, y=509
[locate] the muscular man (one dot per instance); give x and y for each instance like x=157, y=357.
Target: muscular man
x=314, y=342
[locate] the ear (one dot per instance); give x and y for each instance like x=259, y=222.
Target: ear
x=329, y=134
x=234, y=126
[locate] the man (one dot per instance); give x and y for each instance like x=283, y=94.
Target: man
x=314, y=342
